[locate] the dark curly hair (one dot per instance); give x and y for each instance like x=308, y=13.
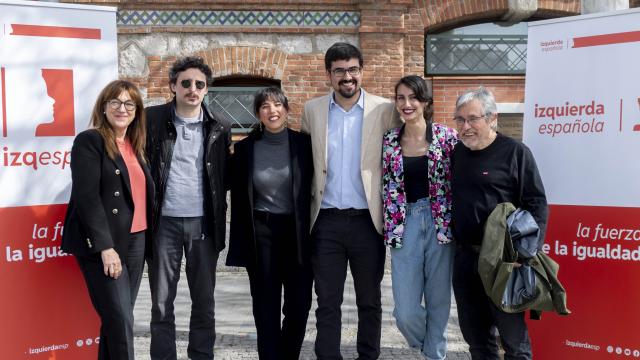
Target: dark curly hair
x=190, y=62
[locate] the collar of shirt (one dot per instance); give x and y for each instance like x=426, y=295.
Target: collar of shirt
x=194, y=120
x=344, y=188
x=333, y=103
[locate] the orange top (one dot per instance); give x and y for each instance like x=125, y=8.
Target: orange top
x=138, y=186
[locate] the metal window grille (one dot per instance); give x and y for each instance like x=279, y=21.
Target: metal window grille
x=476, y=54
x=236, y=103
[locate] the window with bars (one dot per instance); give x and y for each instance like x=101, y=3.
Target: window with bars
x=236, y=103
x=483, y=49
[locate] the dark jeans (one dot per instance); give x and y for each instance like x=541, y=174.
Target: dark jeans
x=276, y=268
x=479, y=317
x=175, y=236
x=341, y=237
x=114, y=299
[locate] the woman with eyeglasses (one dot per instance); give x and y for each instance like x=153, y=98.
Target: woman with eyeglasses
x=270, y=206
x=416, y=170
x=107, y=218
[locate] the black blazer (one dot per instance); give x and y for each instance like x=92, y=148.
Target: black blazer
x=242, y=246
x=100, y=210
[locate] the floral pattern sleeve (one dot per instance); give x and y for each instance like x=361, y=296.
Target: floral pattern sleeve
x=439, y=170
x=393, y=195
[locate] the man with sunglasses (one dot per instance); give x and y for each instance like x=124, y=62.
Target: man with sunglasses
x=187, y=149
x=488, y=169
x=346, y=128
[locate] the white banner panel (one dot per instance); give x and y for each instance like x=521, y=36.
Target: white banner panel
x=582, y=105
x=582, y=122
x=54, y=60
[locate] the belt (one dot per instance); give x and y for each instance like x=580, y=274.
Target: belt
x=345, y=212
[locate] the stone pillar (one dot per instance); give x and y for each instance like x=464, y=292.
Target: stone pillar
x=596, y=6
x=520, y=10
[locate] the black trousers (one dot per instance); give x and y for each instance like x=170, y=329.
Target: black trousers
x=344, y=237
x=277, y=267
x=479, y=317
x=177, y=236
x=114, y=299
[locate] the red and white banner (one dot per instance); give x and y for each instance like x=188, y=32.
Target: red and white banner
x=54, y=60
x=582, y=122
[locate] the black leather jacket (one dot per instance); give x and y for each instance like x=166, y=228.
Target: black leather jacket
x=161, y=138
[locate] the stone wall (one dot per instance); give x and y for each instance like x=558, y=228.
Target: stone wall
x=293, y=59
x=286, y=41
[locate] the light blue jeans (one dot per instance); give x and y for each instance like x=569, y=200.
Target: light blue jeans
x=422, y=268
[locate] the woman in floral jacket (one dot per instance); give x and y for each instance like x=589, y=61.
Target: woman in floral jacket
x=417, y=210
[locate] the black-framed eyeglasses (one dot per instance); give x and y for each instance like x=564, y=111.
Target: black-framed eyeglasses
x=353, y=71
x=471, y=120
x=115, y=104
x=186, y=83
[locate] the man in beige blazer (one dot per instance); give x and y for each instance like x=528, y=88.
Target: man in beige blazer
x=346, y=128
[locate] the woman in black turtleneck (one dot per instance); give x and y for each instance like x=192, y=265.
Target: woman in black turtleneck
x=271, y=175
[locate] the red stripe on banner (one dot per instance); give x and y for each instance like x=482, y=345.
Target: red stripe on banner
x=4, y=104
x=606, y=39
x=56, y=31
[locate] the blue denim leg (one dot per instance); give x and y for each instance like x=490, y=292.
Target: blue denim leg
x=422, y=269
x=438, y=266
x=407, y=280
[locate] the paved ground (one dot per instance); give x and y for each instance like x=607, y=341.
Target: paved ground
x=236, y=336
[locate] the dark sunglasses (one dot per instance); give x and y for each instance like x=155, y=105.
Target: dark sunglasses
x=199, y=84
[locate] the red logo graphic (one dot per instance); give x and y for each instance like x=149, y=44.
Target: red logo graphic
x=4, y=103
x=60, y=89
x=636, y=127
x=59, y=84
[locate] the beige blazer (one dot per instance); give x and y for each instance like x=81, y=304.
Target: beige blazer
x=379, y=116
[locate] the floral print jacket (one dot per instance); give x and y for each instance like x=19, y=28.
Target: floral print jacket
x=393, y=193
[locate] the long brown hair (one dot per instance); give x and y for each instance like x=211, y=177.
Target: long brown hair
x=136, y=132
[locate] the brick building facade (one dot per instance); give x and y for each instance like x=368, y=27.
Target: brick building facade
x=283, y=41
